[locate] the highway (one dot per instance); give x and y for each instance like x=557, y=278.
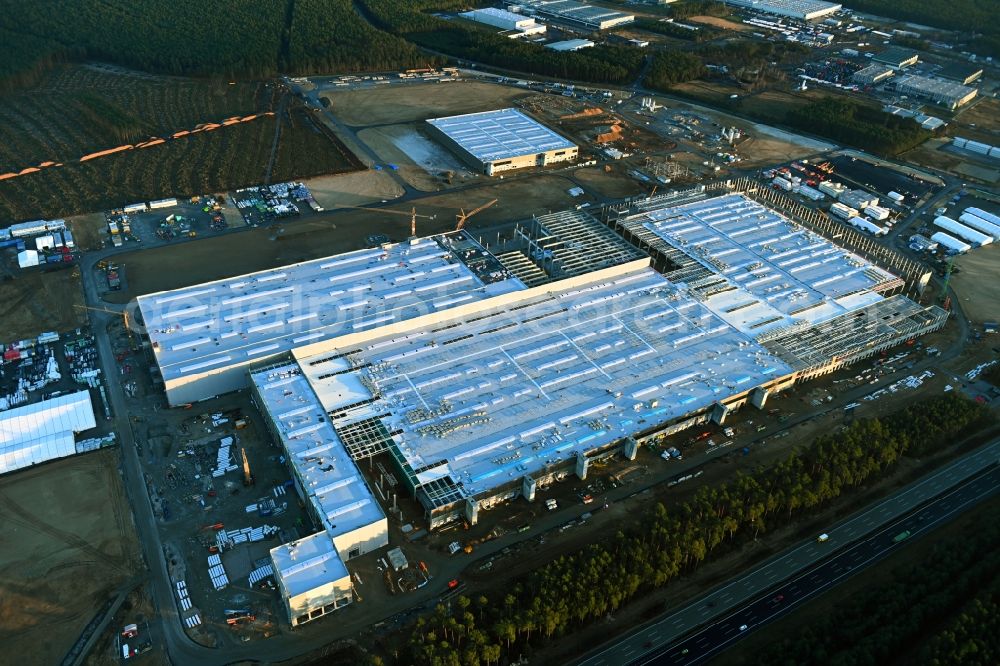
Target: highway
x=722, y=634
x=732, y=599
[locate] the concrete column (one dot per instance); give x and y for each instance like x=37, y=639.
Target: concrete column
x=582, y=465
x=471, y=511
x=528, y=487
x=719, y=413
x=631, y=448
x=759, y=396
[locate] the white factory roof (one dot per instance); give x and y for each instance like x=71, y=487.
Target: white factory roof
x=229, y=322
x=509, y=391
x=331, y=479
x=576, y=11
x=43, y=431
x=798, y=8
x=570, y=45
x=307, y=564
x=778, y=272
x=500, y=134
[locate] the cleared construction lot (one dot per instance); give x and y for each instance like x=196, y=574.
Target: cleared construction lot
x=68, y=544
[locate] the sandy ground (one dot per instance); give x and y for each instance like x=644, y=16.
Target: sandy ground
x=408, y=103
x=977, y=286
x=191, y=262
x=68, y=543
x=421, y=161
x=357, y=189
x=33, y=302
x=717, y=22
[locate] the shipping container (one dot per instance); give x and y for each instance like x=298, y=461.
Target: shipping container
x=976, y=238
x=135, y=208
x=811, y=193
x=896, y=197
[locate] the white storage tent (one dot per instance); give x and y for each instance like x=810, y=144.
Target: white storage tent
x=43, y=431
x=27, y=258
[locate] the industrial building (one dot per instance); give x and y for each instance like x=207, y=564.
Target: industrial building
x=961, y=73
x=43, y=431
x=496, y=141
x=574, y=14
x=205, y=337
x=872, y=74
x=897, y=57
x=516, y=25
x=570, y=45
x=947, y=94
x=495, y=372
x=804, y=10
x=310, y=572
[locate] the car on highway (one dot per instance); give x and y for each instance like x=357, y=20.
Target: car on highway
x=779, y=598
x=823, y=537
x=743, y=627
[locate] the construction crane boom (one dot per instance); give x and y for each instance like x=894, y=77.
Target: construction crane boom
x=463, y=217
x=412, y=215
x=123, y=314
x=247, y=476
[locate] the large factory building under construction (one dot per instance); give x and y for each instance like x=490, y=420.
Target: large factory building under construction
x=477, y=375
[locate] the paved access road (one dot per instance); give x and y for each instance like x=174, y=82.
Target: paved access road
x=731, y=598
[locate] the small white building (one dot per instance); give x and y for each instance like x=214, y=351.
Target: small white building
x=27, y=258
x=312, y=578
x=570, y=45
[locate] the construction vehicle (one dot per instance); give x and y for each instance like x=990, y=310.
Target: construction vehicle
x=248, y=479
x=462, y=217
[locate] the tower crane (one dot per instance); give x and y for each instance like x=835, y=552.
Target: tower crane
x=412, y=215
x=462, y=217
x=123, y=314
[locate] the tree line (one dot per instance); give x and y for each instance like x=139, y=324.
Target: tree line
x=569, y=593
x=884, y=623
x=225, y=39
x=976, y=18
x=853, y=123
x=460, y=39
x=703, y=34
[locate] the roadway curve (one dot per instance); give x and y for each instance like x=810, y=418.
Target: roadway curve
x=733, y=598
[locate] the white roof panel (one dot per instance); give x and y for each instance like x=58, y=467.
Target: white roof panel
x=502, y=134
x=44, y=430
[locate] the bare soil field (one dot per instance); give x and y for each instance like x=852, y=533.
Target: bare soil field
x=420, y=159
x=976, y=284
x=717, y=22
x=408, y=103
x=190, y=262
x=69, y=542
x=614, y=185
x=842, y=595
x=982, y=117
x=355, y=189
x=34, y=301
x=88, y=230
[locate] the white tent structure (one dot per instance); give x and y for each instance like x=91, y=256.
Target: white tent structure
x=43, y=431
x=27, y=258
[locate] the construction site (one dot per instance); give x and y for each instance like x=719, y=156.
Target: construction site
x=416, y=385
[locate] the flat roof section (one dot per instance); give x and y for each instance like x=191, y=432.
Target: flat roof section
x=495, y=135
x=502, y=393
x=331, y=480
x=229, y=322
x=769, y=271
x=308, y=563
